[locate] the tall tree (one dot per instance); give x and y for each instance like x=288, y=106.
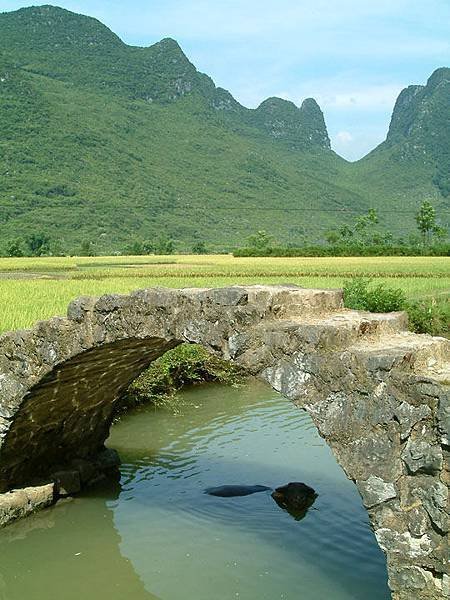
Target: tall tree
x=426, y=221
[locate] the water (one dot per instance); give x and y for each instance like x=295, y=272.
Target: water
x=157, y=536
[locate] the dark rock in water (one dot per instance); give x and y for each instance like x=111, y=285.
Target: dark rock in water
x=229, y=491
x=295, y=498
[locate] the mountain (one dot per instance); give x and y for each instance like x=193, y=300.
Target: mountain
x=414, y=160
x=420, y=127
x=110, y=143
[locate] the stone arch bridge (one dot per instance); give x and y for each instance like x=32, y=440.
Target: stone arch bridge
x=378, y=394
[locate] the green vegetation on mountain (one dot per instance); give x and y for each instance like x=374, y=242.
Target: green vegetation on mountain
x=419, y=132
x=106, y=145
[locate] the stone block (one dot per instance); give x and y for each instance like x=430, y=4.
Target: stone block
x=375, y=491
x=85, y=469
x=20, y=503
x=421, y=456
x=409, y=415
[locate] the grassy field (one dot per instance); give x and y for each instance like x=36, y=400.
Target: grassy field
x=37, y=288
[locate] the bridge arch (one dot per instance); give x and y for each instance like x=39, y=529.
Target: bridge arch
x=378, y=395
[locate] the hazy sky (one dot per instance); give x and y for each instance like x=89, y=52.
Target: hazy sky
x=353, y=56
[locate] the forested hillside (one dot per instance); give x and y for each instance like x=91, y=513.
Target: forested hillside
x=108, y=143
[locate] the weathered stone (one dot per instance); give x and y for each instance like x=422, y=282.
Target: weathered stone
x=409, y=415
x=404, y=543
x=429, y=388
x=375, y=491
x=227, y=296
x=435, y=500
x=418, y=521
x=289, y=378
x=107, y=459
x=375, y=453
x=410, y=578
x=20, y=503
x=446, y=586
x=86, y=469
x=421, y=456
x=423, y=498
x=443, y=415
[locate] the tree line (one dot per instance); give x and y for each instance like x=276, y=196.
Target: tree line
x=362, y=237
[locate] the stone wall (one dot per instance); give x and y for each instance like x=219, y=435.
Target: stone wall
x=378, y=394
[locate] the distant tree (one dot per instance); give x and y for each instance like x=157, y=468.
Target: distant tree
x=148, y=247
x=170, y=247
x=364, y=222
x=360, y=231
x=260, y=240
x=87, y=248
x=38, y=244
x=414, y=239
x=346, y=232
x=426, y=221
x=382, y=239
x=134, y=249
x=14, y=247
x=165, y=246
x=332, y=236
x=199, y=248
x=440, y=232
x=56, y=248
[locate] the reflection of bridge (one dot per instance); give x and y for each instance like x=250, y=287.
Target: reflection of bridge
x=82, y=555
x=378, y=394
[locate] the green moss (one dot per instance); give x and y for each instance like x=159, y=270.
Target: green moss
x=187, y=364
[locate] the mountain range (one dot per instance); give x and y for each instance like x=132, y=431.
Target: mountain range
x=110, y=143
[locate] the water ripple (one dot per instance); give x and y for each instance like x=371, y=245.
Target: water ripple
x=260, y=439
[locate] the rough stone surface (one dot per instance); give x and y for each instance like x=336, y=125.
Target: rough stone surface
x=378, y=394
x=20, y=503
x=420, y=455
x=375, y=491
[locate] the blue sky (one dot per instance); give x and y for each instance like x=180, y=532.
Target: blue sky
x=353, y=56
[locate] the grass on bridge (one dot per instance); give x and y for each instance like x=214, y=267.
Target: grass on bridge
x=32, y=289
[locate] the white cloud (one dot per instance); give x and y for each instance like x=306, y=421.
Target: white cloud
x=366, y=97
x=343, y=137
x=358, y=140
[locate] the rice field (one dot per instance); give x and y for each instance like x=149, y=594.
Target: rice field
x=33, y=289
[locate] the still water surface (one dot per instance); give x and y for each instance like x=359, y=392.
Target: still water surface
x=157, y=536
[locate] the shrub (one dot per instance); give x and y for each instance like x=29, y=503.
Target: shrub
x=355, y=294
x=425, y=316
x=359, y=295
x=385, y=299
x=429, y=316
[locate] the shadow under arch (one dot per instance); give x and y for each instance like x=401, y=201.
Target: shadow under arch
x=68, y=414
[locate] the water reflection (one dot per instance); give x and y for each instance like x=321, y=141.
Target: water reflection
x=70, y=552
